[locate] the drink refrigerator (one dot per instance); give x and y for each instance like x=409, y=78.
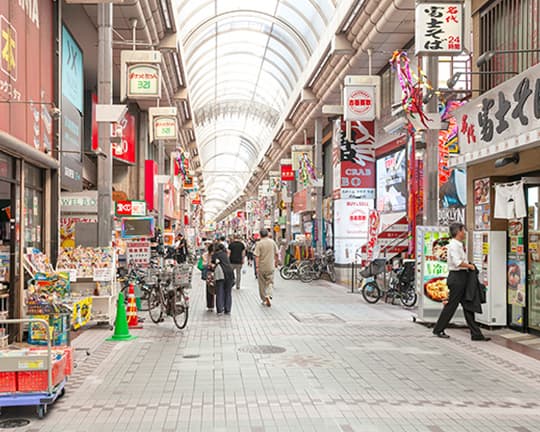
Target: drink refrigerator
x=489, y=257
x=431, y=273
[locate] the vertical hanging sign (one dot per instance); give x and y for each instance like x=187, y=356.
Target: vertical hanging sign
x=439, y=28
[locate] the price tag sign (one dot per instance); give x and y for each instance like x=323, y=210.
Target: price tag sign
x=71, y=272
x=102, y=275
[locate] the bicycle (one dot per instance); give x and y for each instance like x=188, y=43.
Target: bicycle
x=169, y=296
x=371, y=291
x=139, y=278
x=319, y=266
x=292, y=270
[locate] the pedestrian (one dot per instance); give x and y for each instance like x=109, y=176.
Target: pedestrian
x=249, y=251
x=459, y=268
x=266, y=260
x=224, y=276
x=180, y=249
x=237, y=252
x=223, y=241
x=208, y=276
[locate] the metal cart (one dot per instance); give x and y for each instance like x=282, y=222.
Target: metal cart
x=23, y=363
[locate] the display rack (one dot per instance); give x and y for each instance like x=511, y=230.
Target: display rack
x=92, y=273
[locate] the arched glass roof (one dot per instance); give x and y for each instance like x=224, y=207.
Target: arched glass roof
x=243, y=59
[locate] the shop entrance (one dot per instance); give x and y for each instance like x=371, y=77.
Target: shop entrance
x=533, y=256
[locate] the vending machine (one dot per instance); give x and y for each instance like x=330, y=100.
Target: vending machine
x=489, y=257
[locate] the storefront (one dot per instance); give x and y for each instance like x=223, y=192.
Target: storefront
x=500, y=147
x=28, y=173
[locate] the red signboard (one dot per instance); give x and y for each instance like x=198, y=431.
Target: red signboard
x=287, y=172
x=26, y=71
x=125, y=149
x=126, y=129
x=150, y=189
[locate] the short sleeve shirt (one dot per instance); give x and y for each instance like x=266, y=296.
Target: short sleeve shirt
x=456, y=255
x=237, y=248
x=266, y=249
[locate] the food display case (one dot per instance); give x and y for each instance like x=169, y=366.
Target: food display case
x=492, y=273
x=431, y=273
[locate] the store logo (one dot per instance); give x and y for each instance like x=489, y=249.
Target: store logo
x=358, y=217
x=360, y=102
x=8, y=43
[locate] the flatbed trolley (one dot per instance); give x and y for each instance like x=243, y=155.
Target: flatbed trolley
x=41, y=400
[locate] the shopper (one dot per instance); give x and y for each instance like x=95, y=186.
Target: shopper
x=266, y=260
x=224, y=276
x=237, y=252
x=181, y=249
x=458, y=267
x=208, y=276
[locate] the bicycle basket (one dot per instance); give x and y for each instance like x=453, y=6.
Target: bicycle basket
x=182, y=275
x=374, y=268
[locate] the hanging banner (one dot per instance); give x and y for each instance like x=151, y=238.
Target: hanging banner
x=359, y=103
x=287, y=172
x=125, y=149
x=439, y=28
x=188, y=183
x=357, y=161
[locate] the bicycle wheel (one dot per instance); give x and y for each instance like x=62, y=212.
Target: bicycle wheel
x=154, y=306
x=145, y=294
x=371, y=292
x=307, y=273
x=286, y=272
x=332, y=273
x=181, y=308
x=409, y=297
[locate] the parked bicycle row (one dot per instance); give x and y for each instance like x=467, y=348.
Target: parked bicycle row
x=312, y=269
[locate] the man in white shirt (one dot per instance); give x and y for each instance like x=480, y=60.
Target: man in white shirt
x=457, y=282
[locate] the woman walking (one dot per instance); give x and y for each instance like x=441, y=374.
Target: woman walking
x=224, y=275
x=209, y=278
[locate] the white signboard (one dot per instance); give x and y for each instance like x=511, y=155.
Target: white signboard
x=439, y=28
x=504, y=118
x=144, y=81
x=138, y=252
x=359, y=103
x=102, y=274
x=345, y=248
x=165, y=128
x=351, y=218
x=79, y=202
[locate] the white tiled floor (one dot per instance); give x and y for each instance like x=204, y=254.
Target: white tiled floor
x=346, y=366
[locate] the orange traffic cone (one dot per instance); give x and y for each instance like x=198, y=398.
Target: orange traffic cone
x=132, y=318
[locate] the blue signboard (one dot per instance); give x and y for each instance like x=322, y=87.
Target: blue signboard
x=72, y=71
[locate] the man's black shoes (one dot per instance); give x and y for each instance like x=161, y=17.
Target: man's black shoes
x=480, y=338
x=441, y=335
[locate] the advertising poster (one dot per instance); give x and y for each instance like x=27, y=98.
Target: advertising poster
x=482, y=205
x=392, y=182
x=67, y=229
x=435, y=267
x=516, y=268
x=351, y=218
x=452, y=181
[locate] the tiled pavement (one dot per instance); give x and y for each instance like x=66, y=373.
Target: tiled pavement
x=336, y=364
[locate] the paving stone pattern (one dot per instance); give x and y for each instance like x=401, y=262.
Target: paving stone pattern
x=320, y=359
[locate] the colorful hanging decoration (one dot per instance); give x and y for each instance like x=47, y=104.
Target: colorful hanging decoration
x=306, y=171
x=181, y=165
x=412, y=86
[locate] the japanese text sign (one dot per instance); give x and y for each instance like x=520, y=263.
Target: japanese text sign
x=287, y=172
x=503, y=118
x=439, y=28
x=165, y=128
x=131, y=208
x=144, y=81
x=359, y=103
x=125, y=149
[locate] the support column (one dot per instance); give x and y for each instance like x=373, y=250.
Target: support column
x=105, y=70
x=431, y=155
x=161, y=186
x=319, y=171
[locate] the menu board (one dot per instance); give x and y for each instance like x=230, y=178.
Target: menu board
x=516, y=263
